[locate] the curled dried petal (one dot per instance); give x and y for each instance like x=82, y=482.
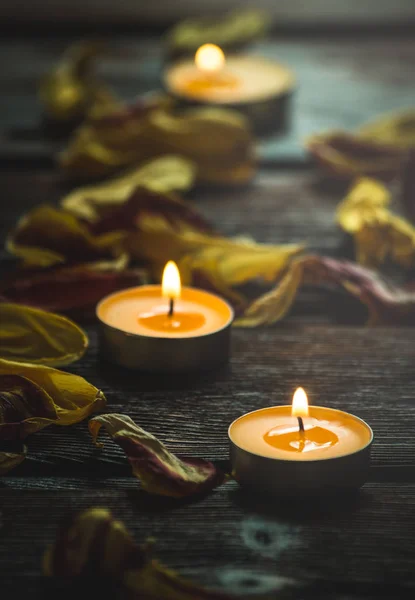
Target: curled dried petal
x=10, y=460
x=47, y=236
x=218, y=141
x=70, y=90
x=379, y=234
x=165, y=174
x=33, y=397
x=73, y=290
x=93, y=544
x=36, y=336
x=377, y=149
x=387, y=303
x=160, y=471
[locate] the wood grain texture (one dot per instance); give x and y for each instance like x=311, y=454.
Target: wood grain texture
x=357, y=547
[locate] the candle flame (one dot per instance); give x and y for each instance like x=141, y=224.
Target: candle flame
x=171, y=286
x=300, y=403
x=209, y=58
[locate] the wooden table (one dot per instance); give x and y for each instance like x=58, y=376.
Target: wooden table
x=360, y=547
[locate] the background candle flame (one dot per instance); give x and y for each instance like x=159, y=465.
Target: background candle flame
x=171, y=286
x=300, y=403
x=209, y=58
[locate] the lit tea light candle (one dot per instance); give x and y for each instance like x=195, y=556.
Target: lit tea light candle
x=286, y=449
x=253, y=85
x=165, y=328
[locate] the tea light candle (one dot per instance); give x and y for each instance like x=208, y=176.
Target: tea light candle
x=288, y=449
x=253, y=85
x=165, y=328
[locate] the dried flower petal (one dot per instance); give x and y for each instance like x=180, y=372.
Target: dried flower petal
x=375, y=150
x=70, y=91
x=73, y=290
x=214, y=258
x=47, y=236
x=32, y=397
x=160, y=471
x=379, y=234
x=36, y=336
x=10, y=460
x=218, y=141
x=231, y=31
x=165, y=174
x=93, y=544
x=387, y=303
x=146, y=206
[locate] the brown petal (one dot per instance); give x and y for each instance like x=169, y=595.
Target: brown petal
x=47, y=236
x=218, y=141
x=72, y=290
x=93, y=544
x=10, y=460
x=146, y=205
x=387, y=303
x=70, y=90
x=346, y=155
x=24, y=407
x=160, y=471
x=35, y=396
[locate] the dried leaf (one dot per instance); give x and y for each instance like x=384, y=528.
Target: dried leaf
x=33, y=397
x=387, y=303
x=73, y=290
x=36, y=336
x=218, y=141
x=375, y=150
x=231, y=31
x=70, y=91
x=166, y=174
x=10, y=460
x=93, y=544
x=379, y=235
x=47, y=236
x=160, y=471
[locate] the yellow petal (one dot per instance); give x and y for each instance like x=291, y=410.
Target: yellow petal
x=218, y=141
x=164, y=174
x=10, y=460
x=231, y=30
x=72, y=396
x=379, y=235
x=37, y=336
x=48, y=236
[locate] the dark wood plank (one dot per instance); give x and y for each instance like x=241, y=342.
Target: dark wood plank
x=236, y=536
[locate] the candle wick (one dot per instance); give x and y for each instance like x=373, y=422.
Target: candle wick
x=300, y=424
x=171, y=307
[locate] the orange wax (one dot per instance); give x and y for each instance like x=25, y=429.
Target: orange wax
x=143, y=311
x=244, y=79
x=178, y=322
x=274, y=433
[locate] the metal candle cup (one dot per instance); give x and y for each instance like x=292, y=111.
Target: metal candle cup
x=128, y=343
x=340, y=466
x=259, y=88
